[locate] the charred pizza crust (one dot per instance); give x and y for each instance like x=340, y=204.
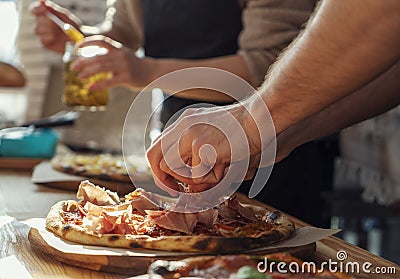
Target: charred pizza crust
x=280, y=228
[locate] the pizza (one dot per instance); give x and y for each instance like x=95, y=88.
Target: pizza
x=105, y=167
x=140, y=220
x=272, y=266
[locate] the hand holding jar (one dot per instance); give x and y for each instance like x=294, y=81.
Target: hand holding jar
x=78, y=92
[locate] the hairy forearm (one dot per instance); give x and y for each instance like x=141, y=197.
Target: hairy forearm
x=377, y=97
x=345, y=45
x=231, y=63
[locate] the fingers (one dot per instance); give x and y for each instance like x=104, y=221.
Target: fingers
x=168, y=184
x=176, y=163
x=165, y=158
x=50, y=35
x=175, y=146
x=167, y=154
x=109, y=62
x=106, y=83
x=87, y=67
x=182, y=171
x=200, y=187
x=162, y=179
x=38, y=8
x=173, y=172
x=250, y=173
x=184, y=157
x=199, y=154
x=100, y=40
x=205, y=168
x=116, y=61
x=155, y=155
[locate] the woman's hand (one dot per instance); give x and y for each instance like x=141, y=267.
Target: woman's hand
x=126, y=68
x=51, y=35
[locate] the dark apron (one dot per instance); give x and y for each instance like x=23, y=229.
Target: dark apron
x=190, y=29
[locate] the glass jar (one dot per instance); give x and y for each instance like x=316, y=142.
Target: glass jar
x=77, y=93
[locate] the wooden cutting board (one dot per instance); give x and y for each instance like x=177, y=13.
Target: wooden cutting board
x=135, y=265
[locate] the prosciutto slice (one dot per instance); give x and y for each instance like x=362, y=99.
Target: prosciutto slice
x=118, y=221
x=231, y=208
x=96, y=210
x=207, y=218
x=140, y=201
x=243, y=211
x=227, y=213
x=89, y=192
x=182, y=222
x=108, y=219
x=92, y=224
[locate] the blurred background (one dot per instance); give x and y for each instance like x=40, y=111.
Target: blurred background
x=43, y=73
x=12, y=100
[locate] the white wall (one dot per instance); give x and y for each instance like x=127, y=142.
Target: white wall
x=12, y=100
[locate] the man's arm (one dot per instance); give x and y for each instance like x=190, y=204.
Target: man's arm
x=346, y=45
x=377, y=97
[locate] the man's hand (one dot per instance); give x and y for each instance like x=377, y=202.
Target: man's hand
x=50, y=35
x=126, y=68
x=203, y=146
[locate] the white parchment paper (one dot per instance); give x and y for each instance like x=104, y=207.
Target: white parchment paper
x=302, y=236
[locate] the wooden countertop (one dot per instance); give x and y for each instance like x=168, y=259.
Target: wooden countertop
x=22, y=199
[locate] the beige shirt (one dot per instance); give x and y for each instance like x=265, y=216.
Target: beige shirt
x=268, y=27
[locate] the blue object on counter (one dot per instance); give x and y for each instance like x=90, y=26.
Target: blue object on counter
x=28, y=142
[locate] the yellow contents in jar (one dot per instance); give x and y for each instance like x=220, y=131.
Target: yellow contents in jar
x=77, y=92
x=73, y=33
